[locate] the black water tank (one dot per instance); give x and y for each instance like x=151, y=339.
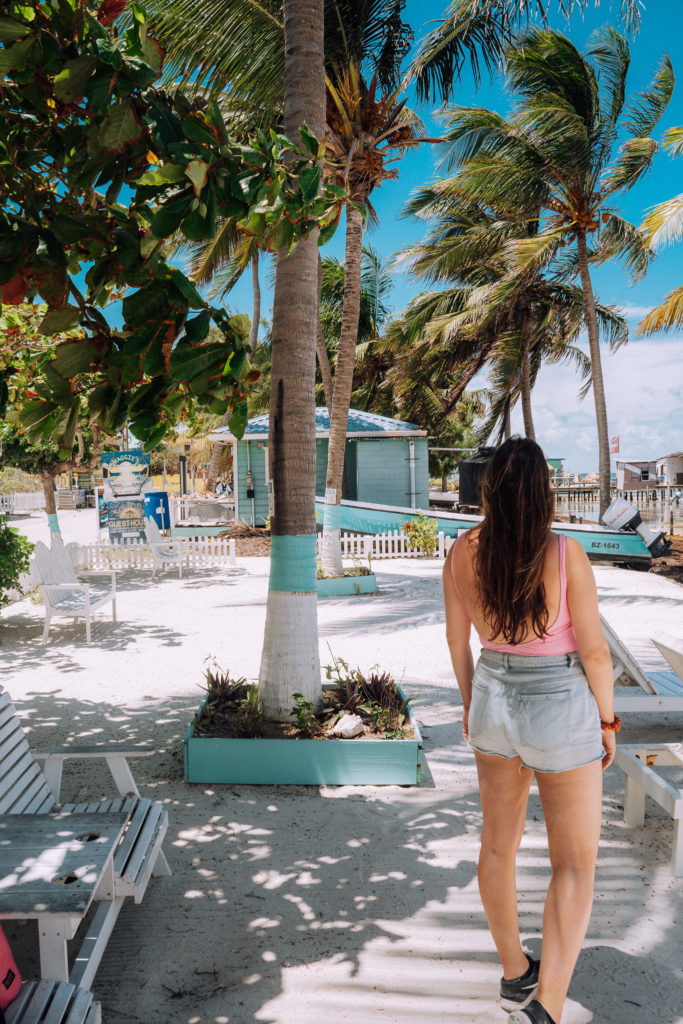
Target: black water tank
x=472, y=470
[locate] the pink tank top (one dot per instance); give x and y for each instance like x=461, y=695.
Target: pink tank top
x=560, y=638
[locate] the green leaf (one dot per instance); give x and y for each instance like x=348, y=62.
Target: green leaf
x=238, y=421
x=120, y=127
x=310, y=142
x=197, y=328
x=154, y=54
x=187, y=289
x=197, y=130
x=198, y=172
x=162, y=175
x=190, y=363
x=70, y=83
x=309, y=182
x=15, y=57
x=73, y=357
x=327, y=233
x=58, y=320
x=282, y=235
x=10, y=30
x=168, y=217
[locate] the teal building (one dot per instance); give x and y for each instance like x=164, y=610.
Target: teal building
x=386, y=462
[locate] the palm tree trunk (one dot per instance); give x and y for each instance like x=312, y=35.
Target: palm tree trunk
x=217, y=450
x=47, y=477
x=343, y=385
x=507, y=428
x=323, y=358
x=256, y=307
x=290, y=661
x=596, y=368
x=526, y=399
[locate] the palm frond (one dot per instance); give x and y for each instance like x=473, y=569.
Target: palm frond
x=667, y=315
x=634, y=159
x=647, y=108
x=624, y=241
x=663, y=224
x=673, y=140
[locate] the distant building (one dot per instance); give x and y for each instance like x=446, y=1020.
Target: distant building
x=386, y=462
x=669, y=469
x=636, y=474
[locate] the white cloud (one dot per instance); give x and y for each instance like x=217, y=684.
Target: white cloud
x=630, y=311
x=644, y=394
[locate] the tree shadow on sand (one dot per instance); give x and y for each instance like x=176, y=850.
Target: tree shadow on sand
x=356, y=904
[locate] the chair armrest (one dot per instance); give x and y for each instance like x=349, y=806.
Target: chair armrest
x=116, y=762
x=66, y=752
x=102, y=572
x=83, y=587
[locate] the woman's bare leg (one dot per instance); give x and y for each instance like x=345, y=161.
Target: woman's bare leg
x=572, y=807
x=504, y=789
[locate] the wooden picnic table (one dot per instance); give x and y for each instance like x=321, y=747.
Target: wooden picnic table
x=52, y=867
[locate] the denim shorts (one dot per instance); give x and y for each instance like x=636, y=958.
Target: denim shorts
x=538, y=708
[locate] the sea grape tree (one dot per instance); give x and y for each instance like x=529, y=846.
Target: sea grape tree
x=98, y=166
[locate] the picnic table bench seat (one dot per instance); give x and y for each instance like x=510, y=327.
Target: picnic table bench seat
x=53, y=1002
x=25, y=788
x=63, y=594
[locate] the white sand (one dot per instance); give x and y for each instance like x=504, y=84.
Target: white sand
x=297, y=905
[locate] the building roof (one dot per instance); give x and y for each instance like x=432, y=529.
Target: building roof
x=671, y=455
x=359, y=424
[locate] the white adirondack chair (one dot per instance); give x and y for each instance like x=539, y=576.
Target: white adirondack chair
x=26, y=788
x=62, y=592
x=164, y=552
x=643, y=680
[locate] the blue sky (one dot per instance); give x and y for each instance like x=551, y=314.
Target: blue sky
x=644, y=381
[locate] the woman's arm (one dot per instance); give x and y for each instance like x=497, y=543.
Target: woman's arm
x=582, y=597
x=458, y=627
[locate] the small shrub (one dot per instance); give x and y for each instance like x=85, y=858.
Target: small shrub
x=304, y=716
x=375, y=697
x=422, y=534
x=229, y=701
x=15, y=559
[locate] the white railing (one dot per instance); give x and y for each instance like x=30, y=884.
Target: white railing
x=393, y=544
x=200, y=551
x=29, y=501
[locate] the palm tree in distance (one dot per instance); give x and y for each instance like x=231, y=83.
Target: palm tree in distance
x=486, y=316
x=662, y=225
x=560, y=150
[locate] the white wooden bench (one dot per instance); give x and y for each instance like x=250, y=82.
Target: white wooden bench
x=164, y=552
x=638, y=763
x=26, y=789
x=53, y=1002
x=62, y=592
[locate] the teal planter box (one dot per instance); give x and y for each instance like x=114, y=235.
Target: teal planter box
x=340, y=586
x=289, y=762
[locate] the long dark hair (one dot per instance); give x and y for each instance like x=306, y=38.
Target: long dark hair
x=518, y=508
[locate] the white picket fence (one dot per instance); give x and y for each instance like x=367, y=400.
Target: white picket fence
x=201, y=551
x=393, y=544
x=29, y=501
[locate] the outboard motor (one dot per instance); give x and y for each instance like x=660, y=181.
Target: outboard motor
x=622, y=516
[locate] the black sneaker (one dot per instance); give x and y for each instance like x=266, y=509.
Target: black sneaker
x=519, y=991
x=533, y=1013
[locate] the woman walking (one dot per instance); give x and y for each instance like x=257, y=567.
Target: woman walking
x=540, y=701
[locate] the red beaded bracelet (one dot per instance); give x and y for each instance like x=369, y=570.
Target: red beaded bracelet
x=613, y=726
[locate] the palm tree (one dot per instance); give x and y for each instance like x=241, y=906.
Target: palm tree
x=290, y=660
x=486, y=315
x=364, y=133
x=561, y=143
x=664, y=224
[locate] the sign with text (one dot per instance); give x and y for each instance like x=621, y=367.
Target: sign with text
x=126, y=519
